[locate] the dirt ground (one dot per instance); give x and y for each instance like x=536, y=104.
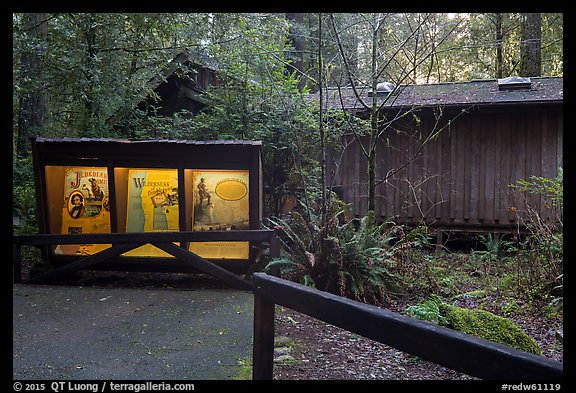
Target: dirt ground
x=320, y=351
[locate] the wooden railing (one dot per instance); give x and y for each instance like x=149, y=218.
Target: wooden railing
x=123, y=242
x=460, y=352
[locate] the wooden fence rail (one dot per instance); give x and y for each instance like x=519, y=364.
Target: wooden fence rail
x=123, y=242
x=458, y=351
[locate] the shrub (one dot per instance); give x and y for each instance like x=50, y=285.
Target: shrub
x=541, y=258
x=335, y=256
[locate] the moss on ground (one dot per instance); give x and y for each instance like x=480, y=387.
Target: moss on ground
x=489, y=326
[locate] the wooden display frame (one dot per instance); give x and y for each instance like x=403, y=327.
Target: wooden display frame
x=238, y=162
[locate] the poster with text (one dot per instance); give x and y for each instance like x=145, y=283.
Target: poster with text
x=86, y=207
x=220, y=200
x=220, y=203
x=152, y=205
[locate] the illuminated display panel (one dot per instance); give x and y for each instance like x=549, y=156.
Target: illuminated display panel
x=220, y=202
x=84, y=205
x=152, y=206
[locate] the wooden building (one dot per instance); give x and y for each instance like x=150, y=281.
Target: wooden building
x=182, y=85
x=481, y=136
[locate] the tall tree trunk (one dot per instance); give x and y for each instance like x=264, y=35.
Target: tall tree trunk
x=530, y=46
x=499, y=39
x=297, y=41
x=321, y=125
x=374, y=113
x=32, y=103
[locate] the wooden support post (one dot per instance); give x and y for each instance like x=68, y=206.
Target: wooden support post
x=439, y=239
x=263, y=350
x=274, y=246
x=17, y=262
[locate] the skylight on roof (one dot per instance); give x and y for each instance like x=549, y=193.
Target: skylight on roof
x=382, y=89
x=514, y=83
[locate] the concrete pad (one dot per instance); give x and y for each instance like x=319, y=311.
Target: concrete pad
x=90, y=333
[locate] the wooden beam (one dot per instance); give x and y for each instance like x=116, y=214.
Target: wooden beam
x=84, y=262
x=205, y=266
x=458, y=351
x=255, y=235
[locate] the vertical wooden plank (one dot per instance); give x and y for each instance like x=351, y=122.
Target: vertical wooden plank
x=453, y=173
x=467, y=171
x=505, y=155
x=534, y=153
x=411, y=196
x=474, y=170
x=263, y=348
x=404, y=176
x=489, y=125
x=363, y=183
x=460, y=163
x=517, y=162
x=447, y=179
x=435, y=157
x=499, y=119
x=348, y=172
x=395, y=179
x=548, y=153
x=425, y=170
x=387, y=184
x=340, y=167
x=482, y=135
x=112, y=197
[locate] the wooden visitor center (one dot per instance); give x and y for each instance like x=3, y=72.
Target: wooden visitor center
x=484, y=135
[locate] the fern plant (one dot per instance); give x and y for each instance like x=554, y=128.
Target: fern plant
x=334, y=255
x=428, y=310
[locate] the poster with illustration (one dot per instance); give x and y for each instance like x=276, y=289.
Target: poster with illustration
x=220, y=200
x=220, y=203
x=152, y=200
x=86, y=207
x=152, y=205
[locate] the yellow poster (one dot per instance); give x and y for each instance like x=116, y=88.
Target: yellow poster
x=152, y=205
x=86, y=207
x=220, y=203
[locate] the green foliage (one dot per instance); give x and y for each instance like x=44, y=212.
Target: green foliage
x=335, y=256
x=428, y=310
x=487, y=325
x=551, y=189
x=23, y=196
x=540, y=261
x=495, y=247
x=478, y=323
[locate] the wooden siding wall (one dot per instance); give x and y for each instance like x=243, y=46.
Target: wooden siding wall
x=461, y=179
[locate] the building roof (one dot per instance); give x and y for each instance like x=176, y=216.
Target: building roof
x=475, y=92
x=149, y=141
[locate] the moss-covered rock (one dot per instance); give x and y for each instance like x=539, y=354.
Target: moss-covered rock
x=490, y=326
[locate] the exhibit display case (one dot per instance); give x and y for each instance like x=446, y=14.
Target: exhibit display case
x=92, y=185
